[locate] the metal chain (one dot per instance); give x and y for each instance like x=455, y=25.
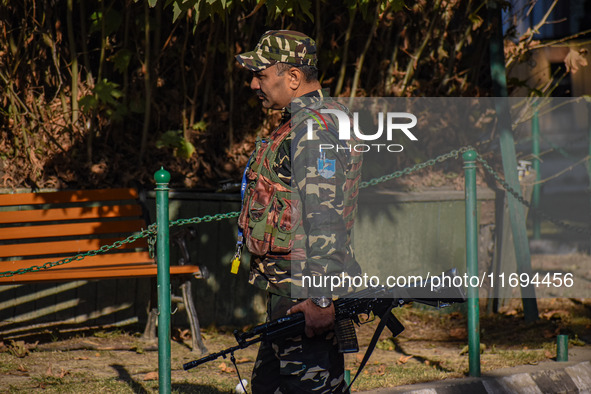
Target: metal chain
x=205, y=219
x=152, y=245
x=397, y=174
x=150, y=231
x=537, y=211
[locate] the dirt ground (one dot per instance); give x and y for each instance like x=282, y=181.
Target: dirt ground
x=432, y=347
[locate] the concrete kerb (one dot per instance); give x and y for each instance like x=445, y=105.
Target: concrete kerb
x=573, y=376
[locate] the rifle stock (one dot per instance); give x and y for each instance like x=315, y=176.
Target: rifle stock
x=378, y=301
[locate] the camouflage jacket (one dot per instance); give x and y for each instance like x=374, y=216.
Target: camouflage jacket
x=321, y=189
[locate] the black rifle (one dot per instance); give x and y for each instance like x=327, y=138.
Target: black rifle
x=378, y=301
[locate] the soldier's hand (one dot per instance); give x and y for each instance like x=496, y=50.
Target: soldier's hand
x=318, y=320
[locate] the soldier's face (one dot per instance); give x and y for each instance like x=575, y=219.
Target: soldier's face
x=273, y=90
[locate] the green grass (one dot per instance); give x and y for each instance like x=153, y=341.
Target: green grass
x=8, y=363
x=410, y=373
x=109, y=334
x=511, y=358
x=78, y=384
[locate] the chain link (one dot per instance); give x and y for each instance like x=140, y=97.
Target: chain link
x=537, y=211
x=151, y=231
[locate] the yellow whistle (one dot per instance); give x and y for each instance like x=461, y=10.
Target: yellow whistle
x=235, y=265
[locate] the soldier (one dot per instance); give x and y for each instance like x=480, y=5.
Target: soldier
x=297, y=213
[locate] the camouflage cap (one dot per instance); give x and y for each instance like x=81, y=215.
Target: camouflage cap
x=285, y=46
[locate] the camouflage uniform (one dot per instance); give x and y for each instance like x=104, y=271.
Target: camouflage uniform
x=318, y=242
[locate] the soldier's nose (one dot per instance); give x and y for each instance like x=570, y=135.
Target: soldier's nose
x=254, y=84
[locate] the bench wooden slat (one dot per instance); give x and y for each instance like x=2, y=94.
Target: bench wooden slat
x=140, y=270
x=68, y=196
x=71, y=247
x=101, y=260
x=63, y=230
x=46, y=215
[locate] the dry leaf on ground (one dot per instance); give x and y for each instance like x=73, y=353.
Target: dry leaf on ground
x=404, y=359
x=150, y=376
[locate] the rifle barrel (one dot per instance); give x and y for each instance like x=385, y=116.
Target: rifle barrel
x=223, y=353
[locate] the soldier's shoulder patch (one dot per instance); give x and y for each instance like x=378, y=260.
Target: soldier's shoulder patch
x=326, y=167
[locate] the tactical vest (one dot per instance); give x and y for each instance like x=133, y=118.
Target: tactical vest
x=271, y=218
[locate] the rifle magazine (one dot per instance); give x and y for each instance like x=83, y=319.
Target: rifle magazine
x=345, y=332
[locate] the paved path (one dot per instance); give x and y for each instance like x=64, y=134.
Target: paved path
x=573, y=376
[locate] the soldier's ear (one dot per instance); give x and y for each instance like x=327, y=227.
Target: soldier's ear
x=296, y=78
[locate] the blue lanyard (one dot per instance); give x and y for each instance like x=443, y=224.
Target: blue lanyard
x=242, y=189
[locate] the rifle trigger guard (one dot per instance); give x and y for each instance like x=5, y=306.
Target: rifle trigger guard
x=367, y=319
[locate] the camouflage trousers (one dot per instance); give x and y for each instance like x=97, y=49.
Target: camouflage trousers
x=299, y=364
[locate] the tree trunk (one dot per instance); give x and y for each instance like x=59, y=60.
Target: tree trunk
x=147, y=83
x=362, y=56
x=343, y=69
x=74, y=61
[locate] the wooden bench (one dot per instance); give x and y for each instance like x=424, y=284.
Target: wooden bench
x=37, y=228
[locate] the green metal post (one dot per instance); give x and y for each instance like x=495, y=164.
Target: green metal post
x=472, y=263
x=516, y=211
x=562, y=347
x=162, y=177
x=535, y=134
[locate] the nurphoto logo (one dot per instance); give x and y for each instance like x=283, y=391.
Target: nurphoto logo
x=394, y=122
